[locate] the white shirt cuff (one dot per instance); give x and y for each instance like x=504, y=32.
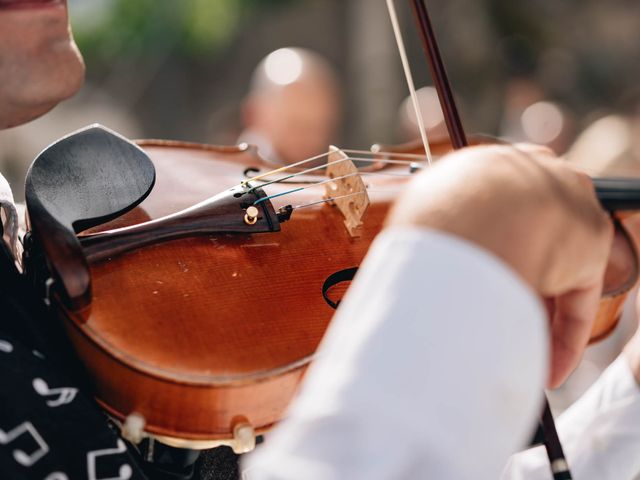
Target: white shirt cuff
x=432, y=368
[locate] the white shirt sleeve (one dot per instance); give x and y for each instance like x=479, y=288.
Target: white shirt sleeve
x=432, y=368
x=600, y=433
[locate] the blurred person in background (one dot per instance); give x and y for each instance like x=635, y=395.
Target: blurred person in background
x=609, y=146
x=529, y=116
x=432, y=117
x=292, y=110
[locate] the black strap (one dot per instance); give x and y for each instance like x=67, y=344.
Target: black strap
x=332, y=280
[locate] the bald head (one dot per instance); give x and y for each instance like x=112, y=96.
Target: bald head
x=288, y=66
x=293, y=103
x=432, y=116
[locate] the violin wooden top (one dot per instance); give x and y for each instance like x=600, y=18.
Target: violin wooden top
x=224, y=308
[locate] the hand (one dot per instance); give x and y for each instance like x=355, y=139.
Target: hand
x=535, y=213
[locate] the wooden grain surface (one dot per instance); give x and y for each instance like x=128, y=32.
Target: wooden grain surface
x=218, y=327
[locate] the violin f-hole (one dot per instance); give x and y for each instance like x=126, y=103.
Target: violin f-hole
x=334, y=279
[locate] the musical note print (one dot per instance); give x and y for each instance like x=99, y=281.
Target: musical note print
x=56, y=476
x=125, y=471
x=5, y=346
x=24, y=459
x=65, y=394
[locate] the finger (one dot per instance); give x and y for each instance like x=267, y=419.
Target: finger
x=533, y=149
x=545, y=155
x=575, y=313
x=550, y=306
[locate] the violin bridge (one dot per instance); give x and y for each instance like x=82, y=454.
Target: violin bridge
x=348, y=191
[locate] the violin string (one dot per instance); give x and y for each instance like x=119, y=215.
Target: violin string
x=322, y=182
x=391, y=174
x=287, y=167
x=264, y=199
x=407, y=73
x=293, y=175
x=395, y=192
x=276, y=195
x=311, y=184
x=395, y=158
x=324, y=200
x=320, y=167
x=395, y=155
x=330, y=199
x=389, y=161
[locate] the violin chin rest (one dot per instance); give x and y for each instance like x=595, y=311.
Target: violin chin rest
x=82, y=180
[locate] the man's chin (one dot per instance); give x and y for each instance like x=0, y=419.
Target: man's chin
x=14, y=117
x=57, y=80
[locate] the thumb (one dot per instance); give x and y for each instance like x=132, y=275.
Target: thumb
x=571, y=324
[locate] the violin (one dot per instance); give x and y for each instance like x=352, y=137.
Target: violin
x=198, y=326
x=196, y=311
x=195, y=333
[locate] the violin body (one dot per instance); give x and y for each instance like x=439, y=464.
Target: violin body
x=621, y=276
x=201, y=335
x=198, y=335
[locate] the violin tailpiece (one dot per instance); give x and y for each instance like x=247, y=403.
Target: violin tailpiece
x=348, y=191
